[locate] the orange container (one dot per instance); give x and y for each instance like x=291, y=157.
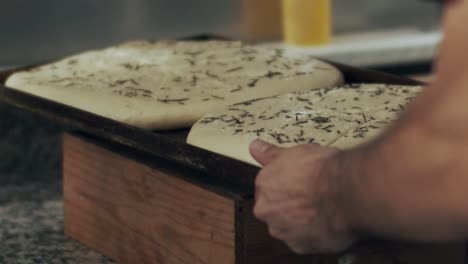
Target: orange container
x=307, y=22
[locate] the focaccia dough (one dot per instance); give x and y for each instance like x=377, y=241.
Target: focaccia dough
x=168, y=84
x=342, y=117
x=362, y=134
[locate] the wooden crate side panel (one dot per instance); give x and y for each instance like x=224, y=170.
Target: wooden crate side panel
x=136, y=214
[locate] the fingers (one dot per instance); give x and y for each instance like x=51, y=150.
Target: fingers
x=264, y=152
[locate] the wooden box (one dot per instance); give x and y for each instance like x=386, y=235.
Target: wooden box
x=140, y=211
x=149, y=213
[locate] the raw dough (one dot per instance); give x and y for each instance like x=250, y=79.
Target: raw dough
x=329, y=116
x=167, y=84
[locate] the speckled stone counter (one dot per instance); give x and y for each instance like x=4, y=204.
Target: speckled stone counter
x=31, y=228
x=31, y=199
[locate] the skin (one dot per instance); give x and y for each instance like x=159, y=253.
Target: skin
x=409, y=184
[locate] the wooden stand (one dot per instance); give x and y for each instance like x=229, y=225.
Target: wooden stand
x=139, y=213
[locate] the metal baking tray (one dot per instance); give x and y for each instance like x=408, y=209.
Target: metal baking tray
x=169, y=146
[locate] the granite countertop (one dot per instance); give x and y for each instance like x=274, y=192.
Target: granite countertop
x=31, y=227
x=31, y=198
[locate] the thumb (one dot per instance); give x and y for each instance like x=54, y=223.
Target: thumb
x=264, y=152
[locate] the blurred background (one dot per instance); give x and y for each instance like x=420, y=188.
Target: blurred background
x=35, y=31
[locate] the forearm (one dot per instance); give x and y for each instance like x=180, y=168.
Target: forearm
x=410, y=184
x=413, y=182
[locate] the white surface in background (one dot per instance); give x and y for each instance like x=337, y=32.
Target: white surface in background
x=378, y=48
x=37, y=31
x=370, y=49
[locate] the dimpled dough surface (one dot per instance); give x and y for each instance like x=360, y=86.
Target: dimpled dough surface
x=167, y=85
x=342, y=117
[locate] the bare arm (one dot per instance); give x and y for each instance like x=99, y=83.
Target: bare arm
x=411, y=183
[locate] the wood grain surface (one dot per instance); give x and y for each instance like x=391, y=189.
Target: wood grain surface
x=136, y=214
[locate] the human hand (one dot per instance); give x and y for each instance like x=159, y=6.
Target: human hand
x=296, y=197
